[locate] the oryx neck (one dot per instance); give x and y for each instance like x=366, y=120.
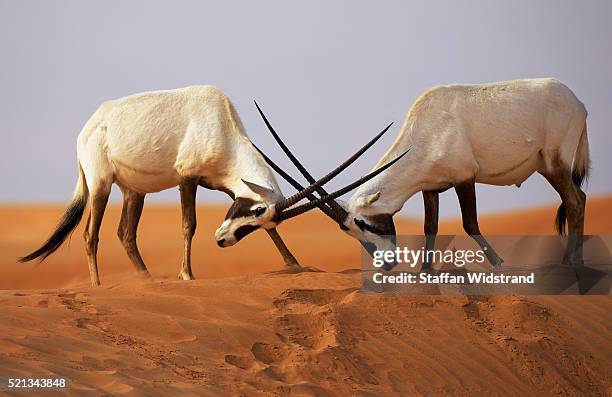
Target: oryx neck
x=398, y=183
x=249, y=165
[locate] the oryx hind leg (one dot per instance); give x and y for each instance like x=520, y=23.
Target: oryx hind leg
x=188, y=188
x=466, y=193
x=430, y=226
x=282, y=248
x=133, y=203
x=97, y=200
x=573, y=205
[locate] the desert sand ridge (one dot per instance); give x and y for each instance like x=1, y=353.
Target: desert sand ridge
x=245, y=327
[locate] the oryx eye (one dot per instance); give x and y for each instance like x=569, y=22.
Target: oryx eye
x=259, y=211
x=360, y=224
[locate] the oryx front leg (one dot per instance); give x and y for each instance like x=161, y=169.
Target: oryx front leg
x=128, y=225
x=98, y=200
x=282, y=248
x=466, y=192
x=188, y=188
x=431, y=201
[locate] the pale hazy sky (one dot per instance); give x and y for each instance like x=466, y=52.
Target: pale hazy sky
x=329, y=74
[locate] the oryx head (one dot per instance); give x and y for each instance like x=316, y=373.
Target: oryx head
x=248, y=214
x=371, y=224
x=375, y=231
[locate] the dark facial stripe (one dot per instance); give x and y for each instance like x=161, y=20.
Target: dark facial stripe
x=384, y=224
x=381, y=224
x=243, y=231
x=240, y=208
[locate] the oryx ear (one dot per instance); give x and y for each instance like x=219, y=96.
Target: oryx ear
x=369, y=200
x=264, y=192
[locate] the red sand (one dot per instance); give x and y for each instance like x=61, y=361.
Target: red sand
x=241, y=330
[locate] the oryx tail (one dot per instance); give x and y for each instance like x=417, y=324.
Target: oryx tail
x=580, y=172
x=70, y=220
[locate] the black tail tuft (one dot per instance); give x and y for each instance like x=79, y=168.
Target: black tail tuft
x=580, y=172
x=578, y=176
x=560, y=221
x=68, y=223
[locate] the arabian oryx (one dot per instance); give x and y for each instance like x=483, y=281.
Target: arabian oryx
x=187, y=137
x=459, y=135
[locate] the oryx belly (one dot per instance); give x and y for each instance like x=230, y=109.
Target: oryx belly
x=508, y=159
x=143, y=179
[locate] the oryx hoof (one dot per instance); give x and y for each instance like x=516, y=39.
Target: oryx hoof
x=95, y=280
x=573, y=263
x=294, y=265
x=388, y=266
x=183, y=275
x=426, y=268
x=496, y=262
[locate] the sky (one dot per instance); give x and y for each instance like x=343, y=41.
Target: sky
x=329, y=75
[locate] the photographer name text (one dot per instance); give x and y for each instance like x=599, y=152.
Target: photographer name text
x=449, y=278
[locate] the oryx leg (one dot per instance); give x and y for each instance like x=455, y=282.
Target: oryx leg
x=574, y=201
x=97, y=204
x=282, y=248
x=188, y=188
x=133, y=203
x=466, y=192
x=431, y=202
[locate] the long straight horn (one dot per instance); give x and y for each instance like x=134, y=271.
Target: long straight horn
x=318, y=184
x=284, y=147
x=297, y=186
x=337, y=213
x=290, y=213
x=332, y=204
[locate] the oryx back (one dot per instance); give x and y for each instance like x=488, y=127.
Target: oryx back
x=498, y=133
x=149, y=141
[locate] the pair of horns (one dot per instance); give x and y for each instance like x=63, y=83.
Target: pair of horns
x=337, y=215
x=326, y=202
x=332, y=209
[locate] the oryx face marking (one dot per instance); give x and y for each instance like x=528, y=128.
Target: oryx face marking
x=372, y=229
x=381, y=224
x=240, y=208
x=243, y=217
x=376, y=232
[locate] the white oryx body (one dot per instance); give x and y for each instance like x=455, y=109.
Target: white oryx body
x=153, y=141
x=149, y=142
x=497, y=134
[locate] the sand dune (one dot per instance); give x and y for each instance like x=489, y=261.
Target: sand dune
x=247, y=327
x=303, y=334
